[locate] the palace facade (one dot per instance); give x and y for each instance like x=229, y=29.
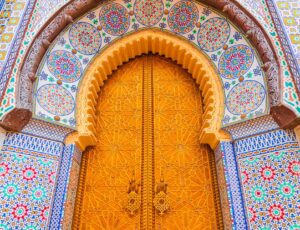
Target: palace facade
x=149, y=114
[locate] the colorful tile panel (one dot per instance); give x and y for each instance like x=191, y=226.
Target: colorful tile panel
x=44, y=9
x=233, y=57
x=271, y=182
x=61, y=188
x=235, y=198
x=278, y=140
x=37, y=12
x=290, y=15
x=32, y=143
x=256, y=126
x=27, y=181
x=262, y=176
x=11, y=13
x=46, y=130
x=265, y=12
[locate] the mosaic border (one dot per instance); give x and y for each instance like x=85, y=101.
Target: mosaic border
x=265, y=141
x=16, y=44
x=60, y=194
x=252, y=127
x=285, y=42
x=32, y=143
x=46, y=130
x=234, y=186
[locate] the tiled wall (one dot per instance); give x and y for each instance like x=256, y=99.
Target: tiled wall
x=39, y=176
x=290, y=14
x=263, y=176
x=29, y=167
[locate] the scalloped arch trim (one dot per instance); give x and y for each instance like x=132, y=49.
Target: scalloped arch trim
x=161, y=43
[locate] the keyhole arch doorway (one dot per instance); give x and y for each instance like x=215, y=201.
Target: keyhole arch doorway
x=148, y=117
x=156, y=42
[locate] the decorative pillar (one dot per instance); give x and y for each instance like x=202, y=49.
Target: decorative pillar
x=66, y=187
x=234, y=215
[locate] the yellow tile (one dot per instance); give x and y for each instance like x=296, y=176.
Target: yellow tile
x=293, y=30
x=2, y=28
x=19, y=6
x=5, y=14
x=289, y=21
x=2, y=55
x=295, y=38
x=6, y=37
x=296, y=12
x=13, y=21
x=283, y=5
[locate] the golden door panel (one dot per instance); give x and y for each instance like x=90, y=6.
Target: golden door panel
x=148, y=120
x=184, y=164
x=111, y=163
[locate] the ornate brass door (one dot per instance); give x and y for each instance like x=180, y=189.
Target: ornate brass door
x=148, y=121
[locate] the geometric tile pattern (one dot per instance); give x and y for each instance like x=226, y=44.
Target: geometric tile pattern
x=36, y=12
x=234, y=186
x=271, y=188
x=61, y=188
x=278, y=139
x=44, y=129
x=262, y=176
x=14, y=14
x=266, y=13
x=289, y=46
x=233, y=56
x=290, y=16
x=252, y=127
x=27, y=182
x=31, y=144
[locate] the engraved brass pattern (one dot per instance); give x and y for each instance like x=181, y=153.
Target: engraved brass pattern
x=149, y=116
x=161, y=203
x=133, y=203
x=186, y=164
x=111, y=162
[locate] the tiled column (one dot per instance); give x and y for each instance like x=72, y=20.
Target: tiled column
x=64, y=199
x=229, y=186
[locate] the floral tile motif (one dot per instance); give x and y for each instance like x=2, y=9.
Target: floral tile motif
x=233, y=57
x=29, y=170
x=11, y=13
x=36, y=13
x=271, y=188
x=280, y=19
x=27, y=185
x=263, y=10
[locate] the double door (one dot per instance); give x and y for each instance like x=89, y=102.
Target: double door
x=148, y=169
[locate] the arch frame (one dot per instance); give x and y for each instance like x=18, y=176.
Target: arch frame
x=144, y=42
x=17, y=118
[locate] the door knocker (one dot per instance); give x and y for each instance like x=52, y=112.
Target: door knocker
x=161, y=201
x=133, y=197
